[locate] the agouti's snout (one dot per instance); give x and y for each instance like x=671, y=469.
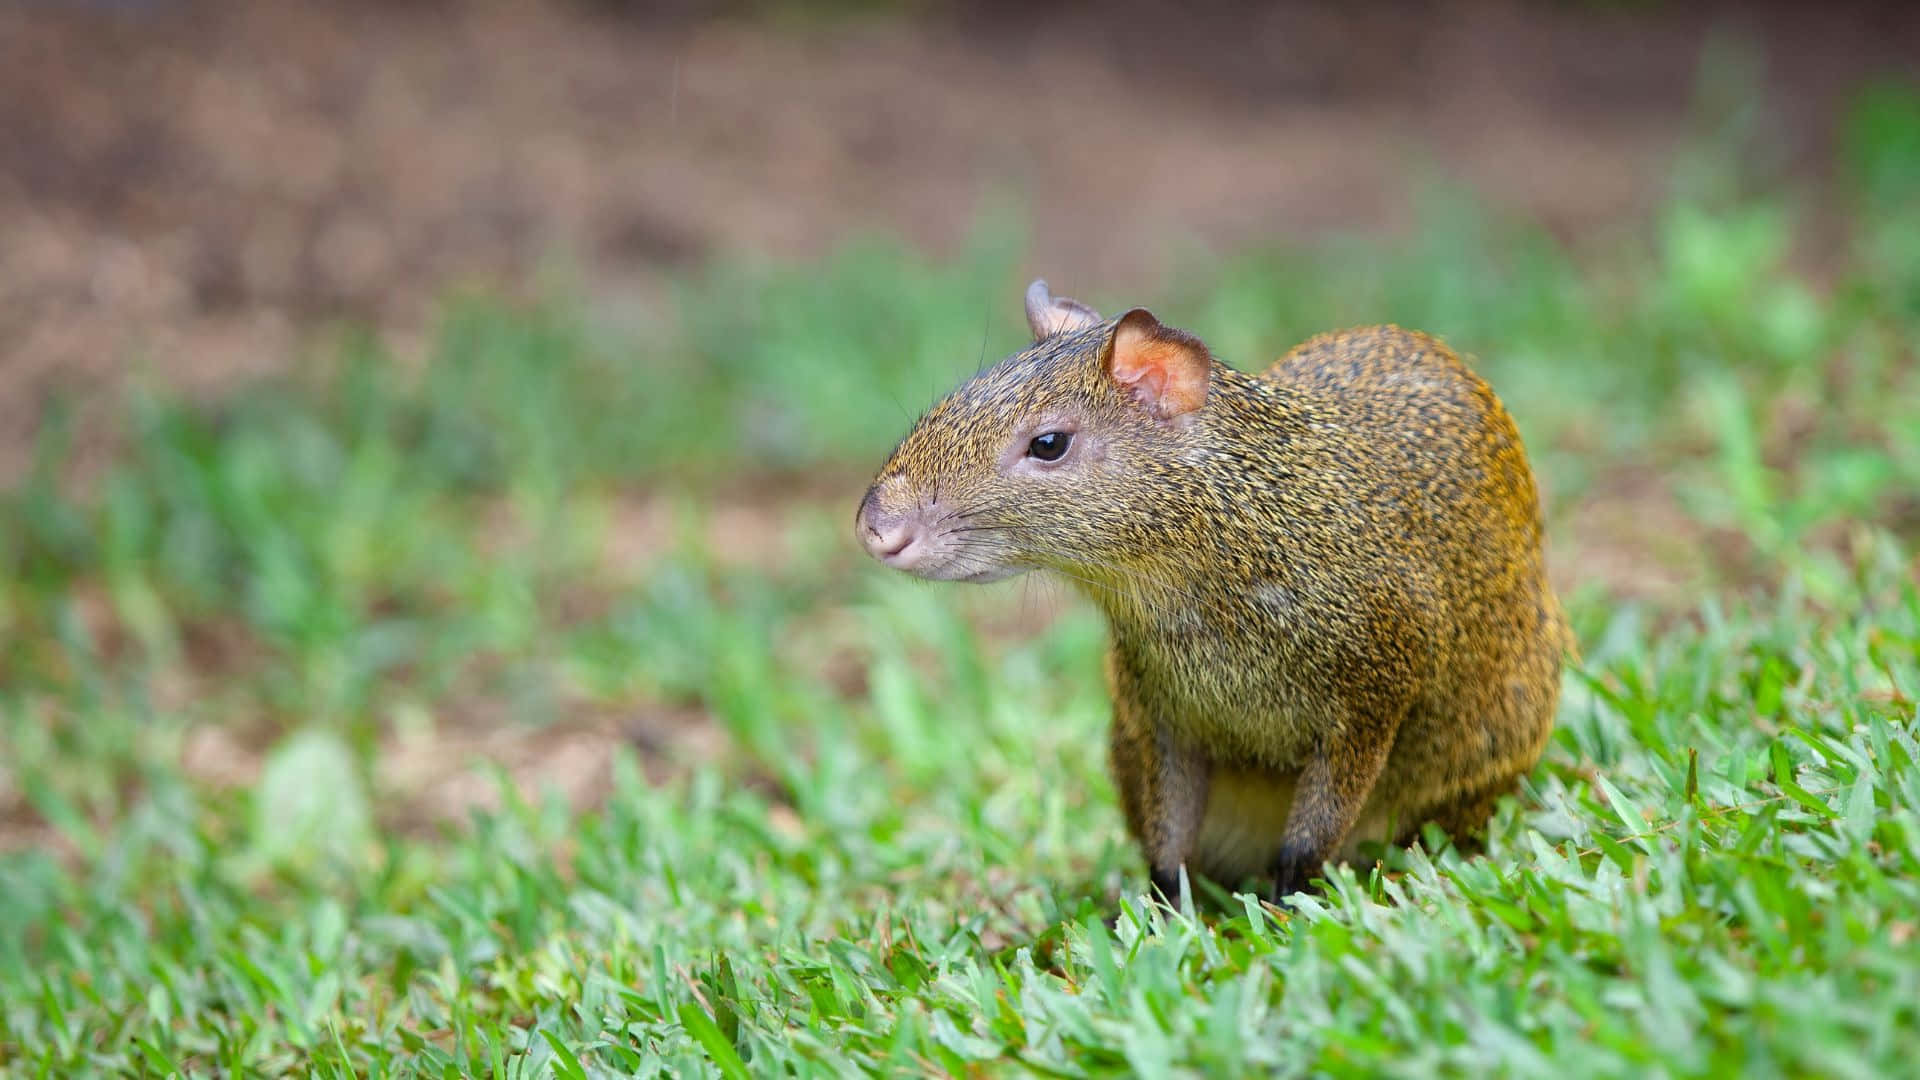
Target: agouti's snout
x=926, y=538
x=892, y=538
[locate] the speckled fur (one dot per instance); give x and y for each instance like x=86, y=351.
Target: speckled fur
x=1330, y=615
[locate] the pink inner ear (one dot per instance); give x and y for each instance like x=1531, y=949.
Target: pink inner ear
x=1152, y=384
x=1167, y=373
x=1147, y=384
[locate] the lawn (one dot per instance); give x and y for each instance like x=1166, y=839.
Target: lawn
x=525, y=708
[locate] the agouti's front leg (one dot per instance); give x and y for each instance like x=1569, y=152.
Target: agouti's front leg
x=1327, y=800
x=1177, y=802
x=1163, y=793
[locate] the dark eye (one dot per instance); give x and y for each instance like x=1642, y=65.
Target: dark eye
x=1050, y=446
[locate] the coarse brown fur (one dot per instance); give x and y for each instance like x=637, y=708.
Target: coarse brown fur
x=1330, y=614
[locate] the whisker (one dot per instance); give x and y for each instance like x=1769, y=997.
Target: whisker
x=971, y=529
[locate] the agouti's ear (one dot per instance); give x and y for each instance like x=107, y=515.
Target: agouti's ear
x=1166, y=369
x=1048, y=314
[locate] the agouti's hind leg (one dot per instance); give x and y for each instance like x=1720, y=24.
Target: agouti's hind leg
x=1327, y=800
x=1464, y=818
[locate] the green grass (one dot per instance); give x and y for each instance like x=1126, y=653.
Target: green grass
x=900, y=851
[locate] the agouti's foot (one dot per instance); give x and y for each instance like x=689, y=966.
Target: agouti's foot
x=1292, y=872
x=1166, y=887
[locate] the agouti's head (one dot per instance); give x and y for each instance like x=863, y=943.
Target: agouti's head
x=1048, y=459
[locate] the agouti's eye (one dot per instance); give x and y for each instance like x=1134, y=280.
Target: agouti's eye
x=1050, y=446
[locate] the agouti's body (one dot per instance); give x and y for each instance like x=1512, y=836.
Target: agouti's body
x=1330, y=613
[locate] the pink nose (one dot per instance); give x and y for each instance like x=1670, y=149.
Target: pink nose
x=889, y=542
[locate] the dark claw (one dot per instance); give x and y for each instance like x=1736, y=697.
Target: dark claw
x=1168, y=886
x=1292, y=870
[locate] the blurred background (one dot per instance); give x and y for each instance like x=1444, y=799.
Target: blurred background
x=415, y=401
x=195, y=187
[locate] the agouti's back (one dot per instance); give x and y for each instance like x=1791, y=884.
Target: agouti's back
x=1420, y=441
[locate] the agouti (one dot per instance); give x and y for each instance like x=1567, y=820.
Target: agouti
x=1330, y=615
